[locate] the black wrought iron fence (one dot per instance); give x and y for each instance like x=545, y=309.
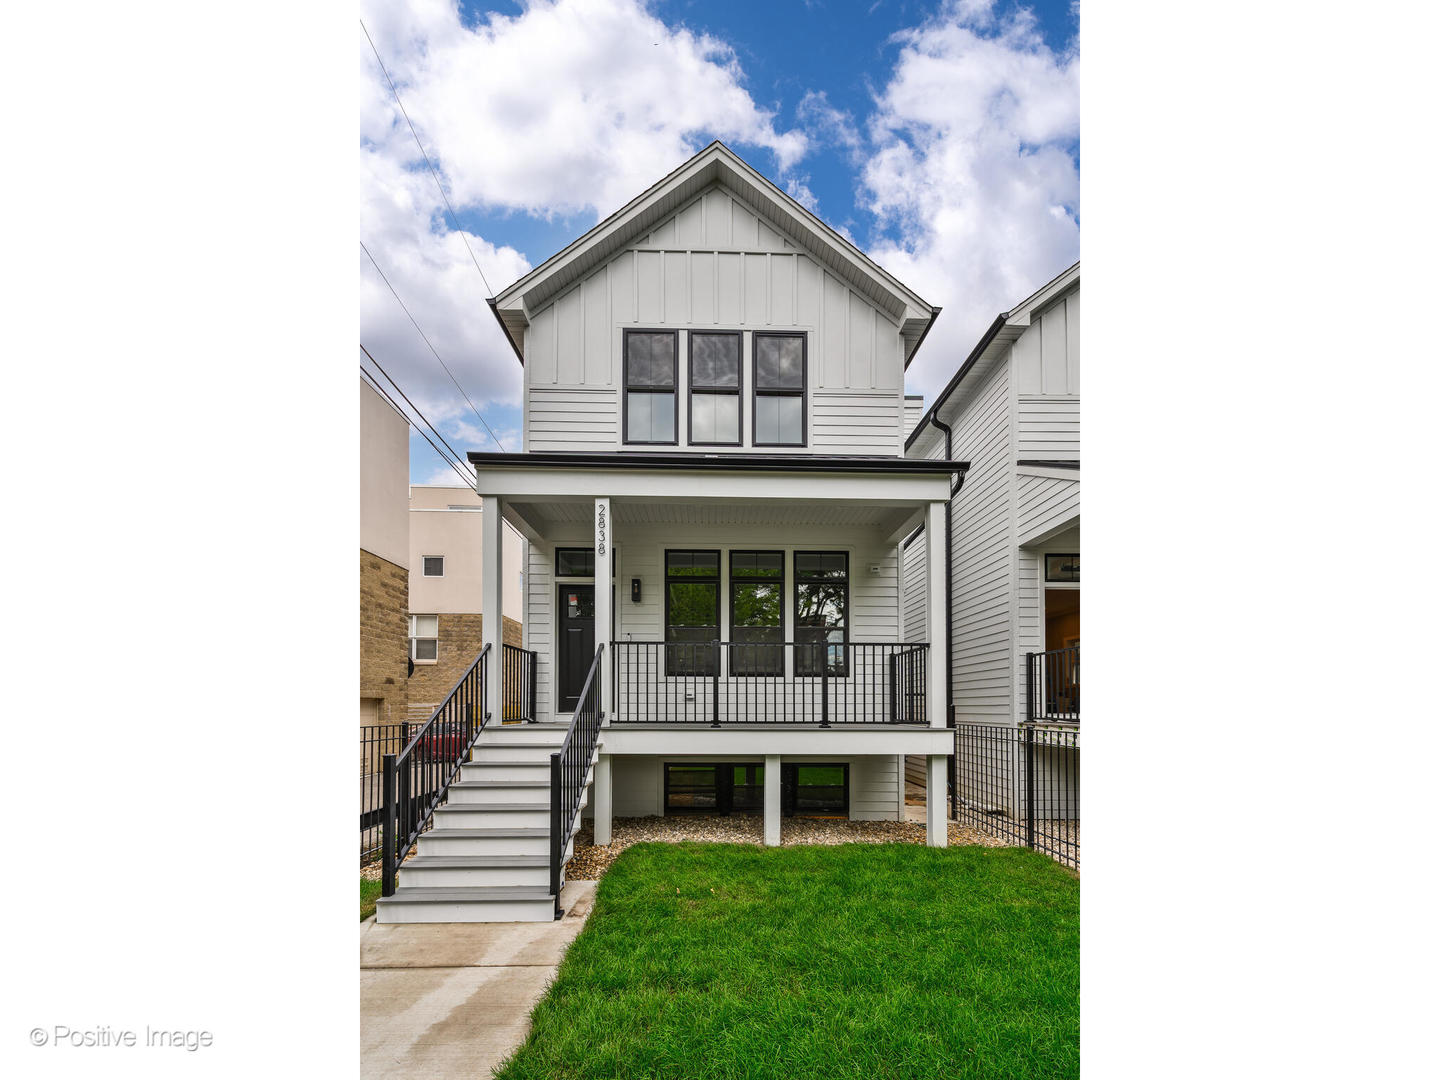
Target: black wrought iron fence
x=376, y=740
x=518, y=680
x=1021, y=784
x=415, y=780
x=1053, y=685
x=569, y=767
x=782, y=682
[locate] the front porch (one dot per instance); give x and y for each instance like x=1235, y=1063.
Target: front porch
x=746, y=608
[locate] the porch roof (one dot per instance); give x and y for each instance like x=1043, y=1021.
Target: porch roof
x=807, y=463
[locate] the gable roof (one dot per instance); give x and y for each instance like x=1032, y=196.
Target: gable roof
x=716, y=164
x=1007, y=327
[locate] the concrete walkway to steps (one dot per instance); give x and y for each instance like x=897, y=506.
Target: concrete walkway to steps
x=445, y=1000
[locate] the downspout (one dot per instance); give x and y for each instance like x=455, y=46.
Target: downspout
x=955, y=486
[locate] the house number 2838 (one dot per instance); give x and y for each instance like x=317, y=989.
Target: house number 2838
x=600, y=529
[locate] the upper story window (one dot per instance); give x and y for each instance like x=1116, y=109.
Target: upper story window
x=779, y=389
x=651, y=403
x=434, y=566
x=714, y=388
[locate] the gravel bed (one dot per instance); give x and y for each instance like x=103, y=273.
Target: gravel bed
x=590, y=862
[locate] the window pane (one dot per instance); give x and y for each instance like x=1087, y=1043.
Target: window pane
x=756, y=604
x=692, y=605
x=826, y=565
x=649, y=359
x=425, y=626
x=434, y=566
x=715, y=359
x=757, y=564
x=426, y=648
x=650, y=417
x=714, y=418
x=692, y=564
x=779, y=362
x=777, y=419
x=690, y=788
x=575, y=562
x=820, y=605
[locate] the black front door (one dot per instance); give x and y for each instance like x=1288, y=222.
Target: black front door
x=576, y=604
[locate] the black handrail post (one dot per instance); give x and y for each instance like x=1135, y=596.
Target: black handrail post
x=1029, y=686
x=1030, y=786
x=530, y=705
x=387, y=829
x=895, y=687
x=825, y=687
x=557, y=845
x=715, y=685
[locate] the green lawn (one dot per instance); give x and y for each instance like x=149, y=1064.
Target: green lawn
x=859, y=961
x=369, y=893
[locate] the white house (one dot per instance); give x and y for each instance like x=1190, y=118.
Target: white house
x=1012, y=411
x=713, y=491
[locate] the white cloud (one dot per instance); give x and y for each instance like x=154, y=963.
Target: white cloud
x=972, y=162
x=572, y=106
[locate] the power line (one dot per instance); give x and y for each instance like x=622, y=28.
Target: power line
x=453, y=220
x=454, y=457
x=370, y=382
x=432, y=347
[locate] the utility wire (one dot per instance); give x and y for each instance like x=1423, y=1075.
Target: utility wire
x=432, y=347
x=453, y=220
x=454, y=457
x=370, y=382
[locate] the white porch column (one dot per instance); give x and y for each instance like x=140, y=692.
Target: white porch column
x=937, y=608
x=604, y=599
x=772, y=800
x=492, y=594
x=937, y=801
x=604, y=799
x=938, y=676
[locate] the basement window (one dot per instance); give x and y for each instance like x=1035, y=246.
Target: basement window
x=714, y=788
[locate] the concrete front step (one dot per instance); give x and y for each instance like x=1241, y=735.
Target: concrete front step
x=490, y=792
x=515, y=903
x=471, y=871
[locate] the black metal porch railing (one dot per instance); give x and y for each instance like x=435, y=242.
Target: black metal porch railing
x=1053, y=685
x=729, y=682
x=1022, y=784
x=518, y=682
x=568, y=768
x=415, y=780
x=376, y=740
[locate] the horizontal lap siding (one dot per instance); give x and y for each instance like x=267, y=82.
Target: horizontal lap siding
x=874, y=794
x=1048, y=427
x=539, y=624
x=851, y=423
x=915, y=614
x=572, y=419
x=982, y=553
x=1043, y=503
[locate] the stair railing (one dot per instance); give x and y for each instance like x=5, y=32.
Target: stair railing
x=568, y=768
x=417, y=778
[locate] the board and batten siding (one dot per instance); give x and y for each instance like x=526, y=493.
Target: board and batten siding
x=713, y=265
x=1046, y=362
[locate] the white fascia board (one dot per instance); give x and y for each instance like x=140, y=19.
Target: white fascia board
x=699, y=485
x=752, y=740
x=1021, y=313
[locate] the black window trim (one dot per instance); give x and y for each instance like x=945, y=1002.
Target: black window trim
x=563, y=550
x=730, y=566
x=802, y=393
x=844, y=672
x=738, y=391
x=665, y=604
x=625, y=390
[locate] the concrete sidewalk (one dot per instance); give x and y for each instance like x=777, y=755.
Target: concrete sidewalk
x=453, y=999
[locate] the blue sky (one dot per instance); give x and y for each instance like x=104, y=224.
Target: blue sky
x=942, y=137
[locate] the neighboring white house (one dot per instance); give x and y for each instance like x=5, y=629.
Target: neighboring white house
x=1012, y=411
x=714, y=490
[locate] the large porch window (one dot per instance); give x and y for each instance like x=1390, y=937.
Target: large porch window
x=822, y=611
x=757, y=599
x=692, y=612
